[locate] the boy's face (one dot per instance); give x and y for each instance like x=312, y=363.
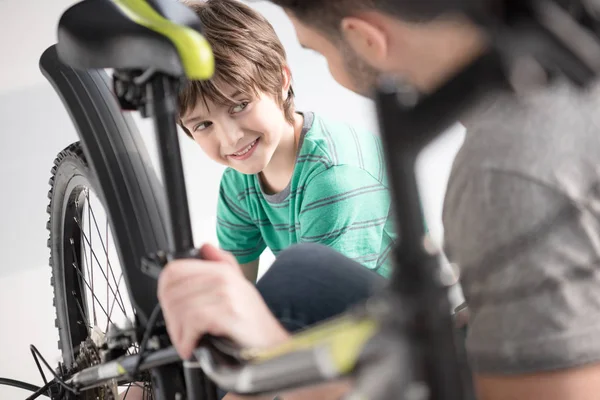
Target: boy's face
x=243, y=136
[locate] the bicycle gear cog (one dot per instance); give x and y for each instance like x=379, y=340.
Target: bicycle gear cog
x=88, y=356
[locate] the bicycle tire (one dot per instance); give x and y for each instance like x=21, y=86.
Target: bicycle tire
x=71, y=179
x=69, y=167
x=115, y=161
x=128, y=185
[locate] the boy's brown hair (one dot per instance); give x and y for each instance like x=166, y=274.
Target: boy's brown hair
x=248, y=56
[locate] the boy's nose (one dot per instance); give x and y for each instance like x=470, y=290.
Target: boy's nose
x=231, y=138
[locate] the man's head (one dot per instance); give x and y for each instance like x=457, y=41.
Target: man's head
x=362, y=38
x=239, y=115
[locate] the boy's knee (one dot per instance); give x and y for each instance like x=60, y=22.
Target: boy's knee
x=323, y=263
x=306, y=254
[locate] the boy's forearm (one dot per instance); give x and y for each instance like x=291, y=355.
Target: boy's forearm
x=250, y=270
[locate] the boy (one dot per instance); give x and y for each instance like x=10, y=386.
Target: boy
x=292, y=177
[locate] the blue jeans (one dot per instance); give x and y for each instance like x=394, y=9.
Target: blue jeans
x=310, y=283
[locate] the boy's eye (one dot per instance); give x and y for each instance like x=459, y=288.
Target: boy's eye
x=240, y=107
x=202, y=126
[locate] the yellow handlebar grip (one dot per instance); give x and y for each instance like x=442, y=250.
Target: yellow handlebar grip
x=344, y=338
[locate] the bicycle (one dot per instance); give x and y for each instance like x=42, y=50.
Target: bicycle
x=152, y=46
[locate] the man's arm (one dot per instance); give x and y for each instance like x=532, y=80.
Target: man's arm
x=212, y=296
x=580, y=383
x=327, y=391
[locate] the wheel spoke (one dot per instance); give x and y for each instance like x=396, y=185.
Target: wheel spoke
x=106, y=250
x=89, y=271
x=127, y=391
x=121, y=306
x=107, y=283
x=91, y=250
x=93, y=294
x=112, y=304
x=80, y=308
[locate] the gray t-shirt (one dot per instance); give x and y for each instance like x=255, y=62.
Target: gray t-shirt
x=522, y=220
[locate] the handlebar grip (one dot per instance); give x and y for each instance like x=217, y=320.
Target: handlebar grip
x=321, y=353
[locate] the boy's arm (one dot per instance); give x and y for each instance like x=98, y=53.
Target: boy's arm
x=347, y=209
x=236, y=231
x=250, y=270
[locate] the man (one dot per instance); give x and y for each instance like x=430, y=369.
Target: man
x=521, y=212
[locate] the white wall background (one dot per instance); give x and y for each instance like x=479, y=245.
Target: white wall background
x=34, y=128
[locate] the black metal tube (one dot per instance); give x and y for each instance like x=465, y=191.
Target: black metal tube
x=163, y=99
x=413, y=279
x=406, y=130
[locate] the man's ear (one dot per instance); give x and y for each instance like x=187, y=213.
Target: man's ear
x=287, y=81
x=366, y=39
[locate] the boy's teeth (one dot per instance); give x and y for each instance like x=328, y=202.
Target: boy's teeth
x=247, y=149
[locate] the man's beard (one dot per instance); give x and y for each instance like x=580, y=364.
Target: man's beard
x=364, y=77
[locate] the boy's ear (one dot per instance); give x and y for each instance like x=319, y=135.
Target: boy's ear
x=366, y=39
x=287, y=82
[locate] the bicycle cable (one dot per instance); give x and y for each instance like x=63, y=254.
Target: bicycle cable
x=149, y=327
x=21, y=385
x=38, y=391
x=57, y=378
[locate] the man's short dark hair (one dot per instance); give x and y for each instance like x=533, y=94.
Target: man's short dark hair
x=326, y=15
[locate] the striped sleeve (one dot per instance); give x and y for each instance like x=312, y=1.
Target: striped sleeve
x=346, y=208
x=236, y=231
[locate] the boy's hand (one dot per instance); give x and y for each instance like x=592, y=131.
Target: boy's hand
x=212, y=296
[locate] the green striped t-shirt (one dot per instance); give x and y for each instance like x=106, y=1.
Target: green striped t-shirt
x=338, y=196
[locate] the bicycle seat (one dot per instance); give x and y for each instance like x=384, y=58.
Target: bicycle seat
x=163, y=35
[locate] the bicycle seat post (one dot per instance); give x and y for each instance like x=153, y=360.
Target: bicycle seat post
x=162, y=100
x=162, y=103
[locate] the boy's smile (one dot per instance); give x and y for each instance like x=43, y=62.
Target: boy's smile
x=245, y=152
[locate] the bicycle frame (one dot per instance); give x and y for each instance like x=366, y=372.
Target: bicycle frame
x=425, y=324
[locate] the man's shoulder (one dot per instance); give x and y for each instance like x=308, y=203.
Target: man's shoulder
x=543, y=135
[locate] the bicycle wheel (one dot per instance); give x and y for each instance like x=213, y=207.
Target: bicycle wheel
x=84, y=273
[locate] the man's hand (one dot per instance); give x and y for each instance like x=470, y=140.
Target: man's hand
x=212, y=296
